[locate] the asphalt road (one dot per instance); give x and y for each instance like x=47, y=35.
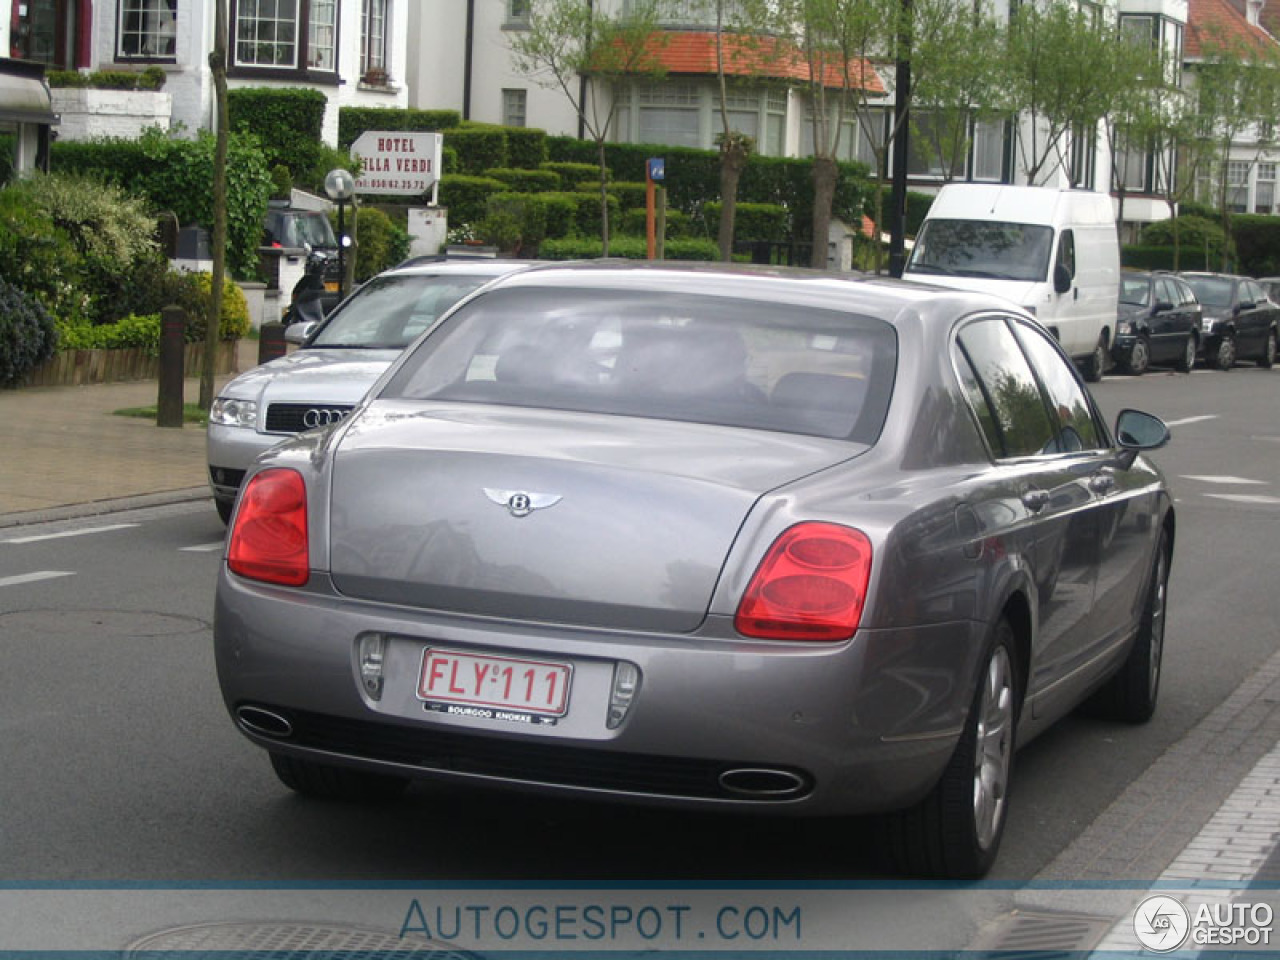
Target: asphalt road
x=120, y=764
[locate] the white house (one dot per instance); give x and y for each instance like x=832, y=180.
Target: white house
x=353, y=51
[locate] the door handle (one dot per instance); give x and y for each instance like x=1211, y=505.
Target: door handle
x=1035, y=499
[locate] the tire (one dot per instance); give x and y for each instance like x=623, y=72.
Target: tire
x=1096, y=365
x=325, y=782
x=1187, y=361
x=225, y=508
x=1139, y=358
x=954, y=832
x=1224, y=354
x=1268, y=358
x=1130, y=695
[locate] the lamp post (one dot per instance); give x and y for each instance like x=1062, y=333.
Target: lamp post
x=340, y=185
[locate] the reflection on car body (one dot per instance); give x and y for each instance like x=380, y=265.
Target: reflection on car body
x=808, y=545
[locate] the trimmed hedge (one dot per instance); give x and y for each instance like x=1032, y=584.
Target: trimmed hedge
x=526, y=147
x=353, y=121
x=27, y=334
x=288, y=122
x=572, y=174
x=381, y=242
x=526, y=180
x=679, y=225
x=751, y=221
x=629, y=194
x=467, y=197
x=1144, y=257
x=479, y=148
x=632, y=248
x=1257, y=239
x=152, y=78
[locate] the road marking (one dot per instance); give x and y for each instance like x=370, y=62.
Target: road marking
x=1232, y=480
x=1186, y=420
x=70, y=533
x=33, y=577
x=1243, y=498
x=205, y=547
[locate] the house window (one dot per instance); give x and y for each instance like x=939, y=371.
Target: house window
x=989, y=150
x=669, y=114
x=514, y=106
x=1084, y=150
x=148, y=29
x=517, y=14
x=373, y=41
x=1265, y=199
x=1238, y=186
x=299, y=34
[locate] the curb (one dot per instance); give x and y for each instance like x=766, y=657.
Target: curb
x=95, y=508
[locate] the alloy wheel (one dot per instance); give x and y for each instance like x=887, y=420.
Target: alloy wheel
x=994, y=743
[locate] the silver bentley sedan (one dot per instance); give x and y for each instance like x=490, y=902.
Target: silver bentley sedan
x=761, y=540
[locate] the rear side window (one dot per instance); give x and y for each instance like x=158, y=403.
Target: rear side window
x=1070, y=408
x=1003, y=390
x=673, y=356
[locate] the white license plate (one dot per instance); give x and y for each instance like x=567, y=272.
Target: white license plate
x=503, y=683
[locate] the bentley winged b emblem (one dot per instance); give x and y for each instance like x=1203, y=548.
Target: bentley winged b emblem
x=521, y=503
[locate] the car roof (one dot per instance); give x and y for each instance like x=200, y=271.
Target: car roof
x=477, y=267
x=822, y=289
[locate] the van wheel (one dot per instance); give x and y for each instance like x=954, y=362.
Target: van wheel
x=1096, y=365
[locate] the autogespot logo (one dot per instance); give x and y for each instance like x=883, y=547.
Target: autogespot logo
x=1161, y=923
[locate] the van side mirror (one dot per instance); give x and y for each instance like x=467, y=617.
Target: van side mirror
x=1061, y=278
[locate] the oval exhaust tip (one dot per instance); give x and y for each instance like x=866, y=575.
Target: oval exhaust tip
x=264, y=722
x=762, y=783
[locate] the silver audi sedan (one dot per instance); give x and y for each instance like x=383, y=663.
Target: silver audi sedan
x=321, y=382
x=772, y=541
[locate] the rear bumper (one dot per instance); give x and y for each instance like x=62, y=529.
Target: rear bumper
x=861, y=726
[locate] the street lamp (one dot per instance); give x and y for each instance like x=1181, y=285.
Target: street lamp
x=340, y=185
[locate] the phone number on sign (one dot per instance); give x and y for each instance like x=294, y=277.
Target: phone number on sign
x=747, y=922
x=391, y=183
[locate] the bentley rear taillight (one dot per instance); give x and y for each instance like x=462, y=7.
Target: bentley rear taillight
x=811, y=585
x=269, y=539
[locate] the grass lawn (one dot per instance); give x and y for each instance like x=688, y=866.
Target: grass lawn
x=191, y=413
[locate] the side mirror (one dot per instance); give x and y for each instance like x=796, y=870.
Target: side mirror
x=1061, y=278
x=1137, y=431
x=298, y=332
x=1162, y=306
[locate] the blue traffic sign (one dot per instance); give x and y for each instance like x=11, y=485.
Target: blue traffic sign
x=657, y=168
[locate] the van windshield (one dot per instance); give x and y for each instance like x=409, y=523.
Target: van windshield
x=978, y=248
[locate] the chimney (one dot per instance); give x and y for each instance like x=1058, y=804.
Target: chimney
x=1253, y=11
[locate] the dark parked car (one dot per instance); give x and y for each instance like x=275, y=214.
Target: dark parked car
x=1158, y=322
x=1240, y=322
x=766, y=541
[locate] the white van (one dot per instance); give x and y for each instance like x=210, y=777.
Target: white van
x=1054, y=252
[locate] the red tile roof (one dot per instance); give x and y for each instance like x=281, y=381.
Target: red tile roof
x=1216, y=24
x=695, y=53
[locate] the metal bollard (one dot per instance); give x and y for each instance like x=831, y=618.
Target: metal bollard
x=173, y=323
x=271, y=342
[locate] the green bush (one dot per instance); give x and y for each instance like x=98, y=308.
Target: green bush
x=572, y=174
x=629, y=194
x=1152, y=257
x=288, y=122
x=108, y=244
x=679, y=225
x=27, y=334
x=633, y=248
x=353, y=121
x=466, y=197
x=129, y=331
x=1257, y=240
x=751, y=221
x=526, y=147
x=381, y=243
x=192, y=292
x=448, y=160
x=479, y=148
x=152, y=78
x=525, y=181
x=176, y=174
x=325, y=159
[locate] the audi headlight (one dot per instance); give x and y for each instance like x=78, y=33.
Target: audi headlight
x=231, y=412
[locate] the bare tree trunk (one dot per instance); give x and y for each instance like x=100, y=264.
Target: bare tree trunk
x=733, y=160
x=218, y=64
x=604, y=199
x=825, y=172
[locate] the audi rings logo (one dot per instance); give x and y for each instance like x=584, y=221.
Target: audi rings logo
x=323, y=417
